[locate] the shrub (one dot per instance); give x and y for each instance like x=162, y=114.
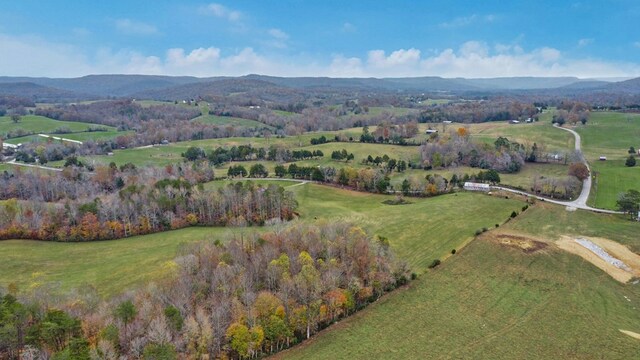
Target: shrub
x=414, y=276
x=514, y=214
x=497, y=225
x=435, y=263
x=525, y=207
x=453, y=251
x=484, y=229
x=631, y=161
x=478, y=232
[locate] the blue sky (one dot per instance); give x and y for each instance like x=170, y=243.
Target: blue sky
x=321, y=38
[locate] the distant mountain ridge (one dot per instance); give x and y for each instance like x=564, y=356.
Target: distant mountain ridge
x=179, y=87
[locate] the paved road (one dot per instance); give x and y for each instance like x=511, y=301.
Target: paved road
x=581, y=201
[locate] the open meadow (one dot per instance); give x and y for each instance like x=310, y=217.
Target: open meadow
x=230, y=121
x=495, y=301
x=419, y=233
x=41, y=124
x=610, y=134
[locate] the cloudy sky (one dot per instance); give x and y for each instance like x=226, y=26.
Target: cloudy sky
x=321, y=38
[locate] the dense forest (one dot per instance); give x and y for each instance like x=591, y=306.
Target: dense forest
x=246, y=297
x=113, y=203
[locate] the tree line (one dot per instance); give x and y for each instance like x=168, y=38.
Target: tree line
x=223, y=155
x=112, y=206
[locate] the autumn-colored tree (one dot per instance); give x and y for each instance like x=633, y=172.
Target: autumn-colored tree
x=239, y=338
x=579, y=170
x=336, y=301
x=89, y=227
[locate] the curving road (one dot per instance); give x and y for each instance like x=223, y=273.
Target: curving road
x=581, y=201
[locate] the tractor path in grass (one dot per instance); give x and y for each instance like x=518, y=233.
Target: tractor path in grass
x=13, y=162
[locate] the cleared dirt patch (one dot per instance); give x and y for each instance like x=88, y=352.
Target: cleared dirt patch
x=616, y=250
x=524, y=243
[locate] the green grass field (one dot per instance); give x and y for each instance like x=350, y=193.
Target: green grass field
x=112, y=266
x=381, y=110
x=41, y=124
x=283, y=113
x=490, y=301
x=228, y=120
x=610, y=134
x=419, y=232
x=80, y=136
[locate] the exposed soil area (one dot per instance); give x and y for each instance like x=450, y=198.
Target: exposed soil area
x=526, y=244
x=631, y=260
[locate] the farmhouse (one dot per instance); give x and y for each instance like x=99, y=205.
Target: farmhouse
x=471, y=186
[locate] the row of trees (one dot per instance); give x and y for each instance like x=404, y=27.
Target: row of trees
x=390, y=133
x=223, y=155
x=138, y=209
x=74, y=183
x=386, y=162
x=246, y=297
x=478, y=111
x=342, y=155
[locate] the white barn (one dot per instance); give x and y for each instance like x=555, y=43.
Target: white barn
x=471, y=186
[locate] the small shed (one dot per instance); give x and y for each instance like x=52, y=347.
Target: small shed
x=472, y=186
x=602, y=158
x=431, y=131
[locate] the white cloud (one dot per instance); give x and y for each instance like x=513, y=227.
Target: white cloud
x=33, y=56
x=637, y=44
x=345, y=67
x=398, y=59
x=475, y=59
x=463, y=21
x=221, y=11
x=278, y=34
x=584, y=42
x=131, y=27
x=278, y=38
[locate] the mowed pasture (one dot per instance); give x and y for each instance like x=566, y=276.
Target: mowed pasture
x=492, y=301
x=419, y=232
x=610, y=134
x=78, y=136
x=43, y=125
